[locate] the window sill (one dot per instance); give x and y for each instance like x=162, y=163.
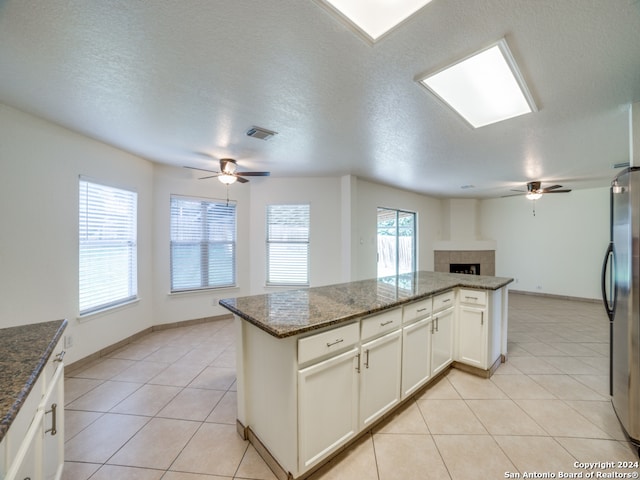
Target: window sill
x=106, y=311
x=202, y=291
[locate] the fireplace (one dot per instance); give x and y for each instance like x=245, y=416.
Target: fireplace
x=476, y=262
x=468, y=268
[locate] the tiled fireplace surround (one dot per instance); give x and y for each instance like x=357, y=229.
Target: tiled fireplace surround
x=486, y=259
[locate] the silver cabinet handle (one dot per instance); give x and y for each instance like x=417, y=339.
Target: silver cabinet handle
x=53, y=429
x=366, y=361
x=446, y=300
x=386, y=323
x=437, y=323
x=358, y=364
x=421, y=309
x=340, y=340
x=471, y=298
x=481, y=318
x=432, y=326
x=59, y=356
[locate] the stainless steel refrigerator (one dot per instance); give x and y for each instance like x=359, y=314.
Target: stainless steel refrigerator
x=621, y=296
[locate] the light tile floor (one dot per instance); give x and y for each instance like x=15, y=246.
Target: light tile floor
x=164, y=408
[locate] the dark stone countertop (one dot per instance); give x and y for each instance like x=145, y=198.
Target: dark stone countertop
x=25, y=351
x=287, y=313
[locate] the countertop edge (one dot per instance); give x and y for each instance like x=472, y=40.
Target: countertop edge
x=7, y=420
x=462, y=283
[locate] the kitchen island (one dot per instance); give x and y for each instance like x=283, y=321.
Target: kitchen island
x=317, y=367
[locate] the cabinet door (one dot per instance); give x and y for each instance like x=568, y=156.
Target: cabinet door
x=416, y=355
x=472, y=336
x=27, y=462
x=380, y=376
x=327, y=406
x=53, y=428
x=442, y=340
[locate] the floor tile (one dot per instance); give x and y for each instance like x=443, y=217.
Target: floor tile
x=110, y=472
x=192, y=404
x=450, y=417
x=601, y=414
x=593, y=450
x=521, y=386
x=254, y=467
x=226, y=410
x=533, y=365
x=74, y=388
x=178, y=374
x=504, y=417
x=406, y=457
x=156, y=445
x=566, y=387
x=471, y=386
x=104, y=397
x=76, y=420
x=407, y=420
x=355, y=463
x=531, y=454
x=104, y=437
x=473, y=457
x=104, y=369
x=440, y=390
x=558, y=419
x=215, y=449
x=79, y=471
x=141, y=372
x=147, y=400
x=214, y=378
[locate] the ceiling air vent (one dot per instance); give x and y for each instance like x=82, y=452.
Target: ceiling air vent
x=260, y=133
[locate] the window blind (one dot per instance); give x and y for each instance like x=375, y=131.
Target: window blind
x=203, y=244
x=288, y=244
x=107, y=247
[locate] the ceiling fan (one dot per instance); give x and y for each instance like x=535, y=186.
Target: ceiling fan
x=228, y=173
x=534, y=190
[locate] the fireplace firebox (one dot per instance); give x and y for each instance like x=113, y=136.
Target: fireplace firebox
x=468, y=268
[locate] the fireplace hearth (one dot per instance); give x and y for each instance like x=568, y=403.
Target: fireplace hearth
x=475, y=262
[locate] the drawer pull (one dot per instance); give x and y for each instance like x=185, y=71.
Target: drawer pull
x=59, y=356
x=421, y=310
x=446, y=300
x=383, y=324
x=340, y=340
x=53, y=429
x=472, y=298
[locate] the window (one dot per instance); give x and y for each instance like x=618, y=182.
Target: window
x=288, y=245
x=108, y=247
x=396, y=242
x=203, y=244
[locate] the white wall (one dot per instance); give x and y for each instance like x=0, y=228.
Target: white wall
x=177, y=307
x=324, y=197
x=369, y=197
x=39, y=168
x=558, y=251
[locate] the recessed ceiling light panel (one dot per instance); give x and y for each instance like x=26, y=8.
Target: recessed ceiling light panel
x=373, y=18
x=484, y=88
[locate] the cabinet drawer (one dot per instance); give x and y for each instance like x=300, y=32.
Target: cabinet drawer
x=417, y=310
x=473, y=297
x=442, y=301
x=325, y=343
x=381, y=323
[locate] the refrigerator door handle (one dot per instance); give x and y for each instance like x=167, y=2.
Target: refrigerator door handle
x=609, y=303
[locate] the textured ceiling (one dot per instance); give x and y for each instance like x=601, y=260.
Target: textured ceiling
x=174, y=81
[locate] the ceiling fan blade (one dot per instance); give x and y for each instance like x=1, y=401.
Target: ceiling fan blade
x=209, y=176
x=552, y=187
x=519, y=191
x=556, y=191
x=253, y=174
x=201, y=169
x=240, y=179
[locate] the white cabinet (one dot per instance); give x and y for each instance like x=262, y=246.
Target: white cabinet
x=380, y=376
x=473, y=328
x=416, y=355
x=442, y=340
x=37, y=453
x=327, y=406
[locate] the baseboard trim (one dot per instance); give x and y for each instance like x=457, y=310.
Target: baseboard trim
x=106, y=351
x=551, y=295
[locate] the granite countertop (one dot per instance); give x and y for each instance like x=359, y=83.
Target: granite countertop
x=25, y=351
x=287, y=313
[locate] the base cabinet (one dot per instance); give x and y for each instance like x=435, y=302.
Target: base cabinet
x=472, y=335
x=416, y=355
x=380, y=376
x=442, y=340
x=327, y=406
x=37, y=453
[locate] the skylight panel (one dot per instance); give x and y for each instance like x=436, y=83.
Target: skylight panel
x=374, y=18
x=484, y=88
